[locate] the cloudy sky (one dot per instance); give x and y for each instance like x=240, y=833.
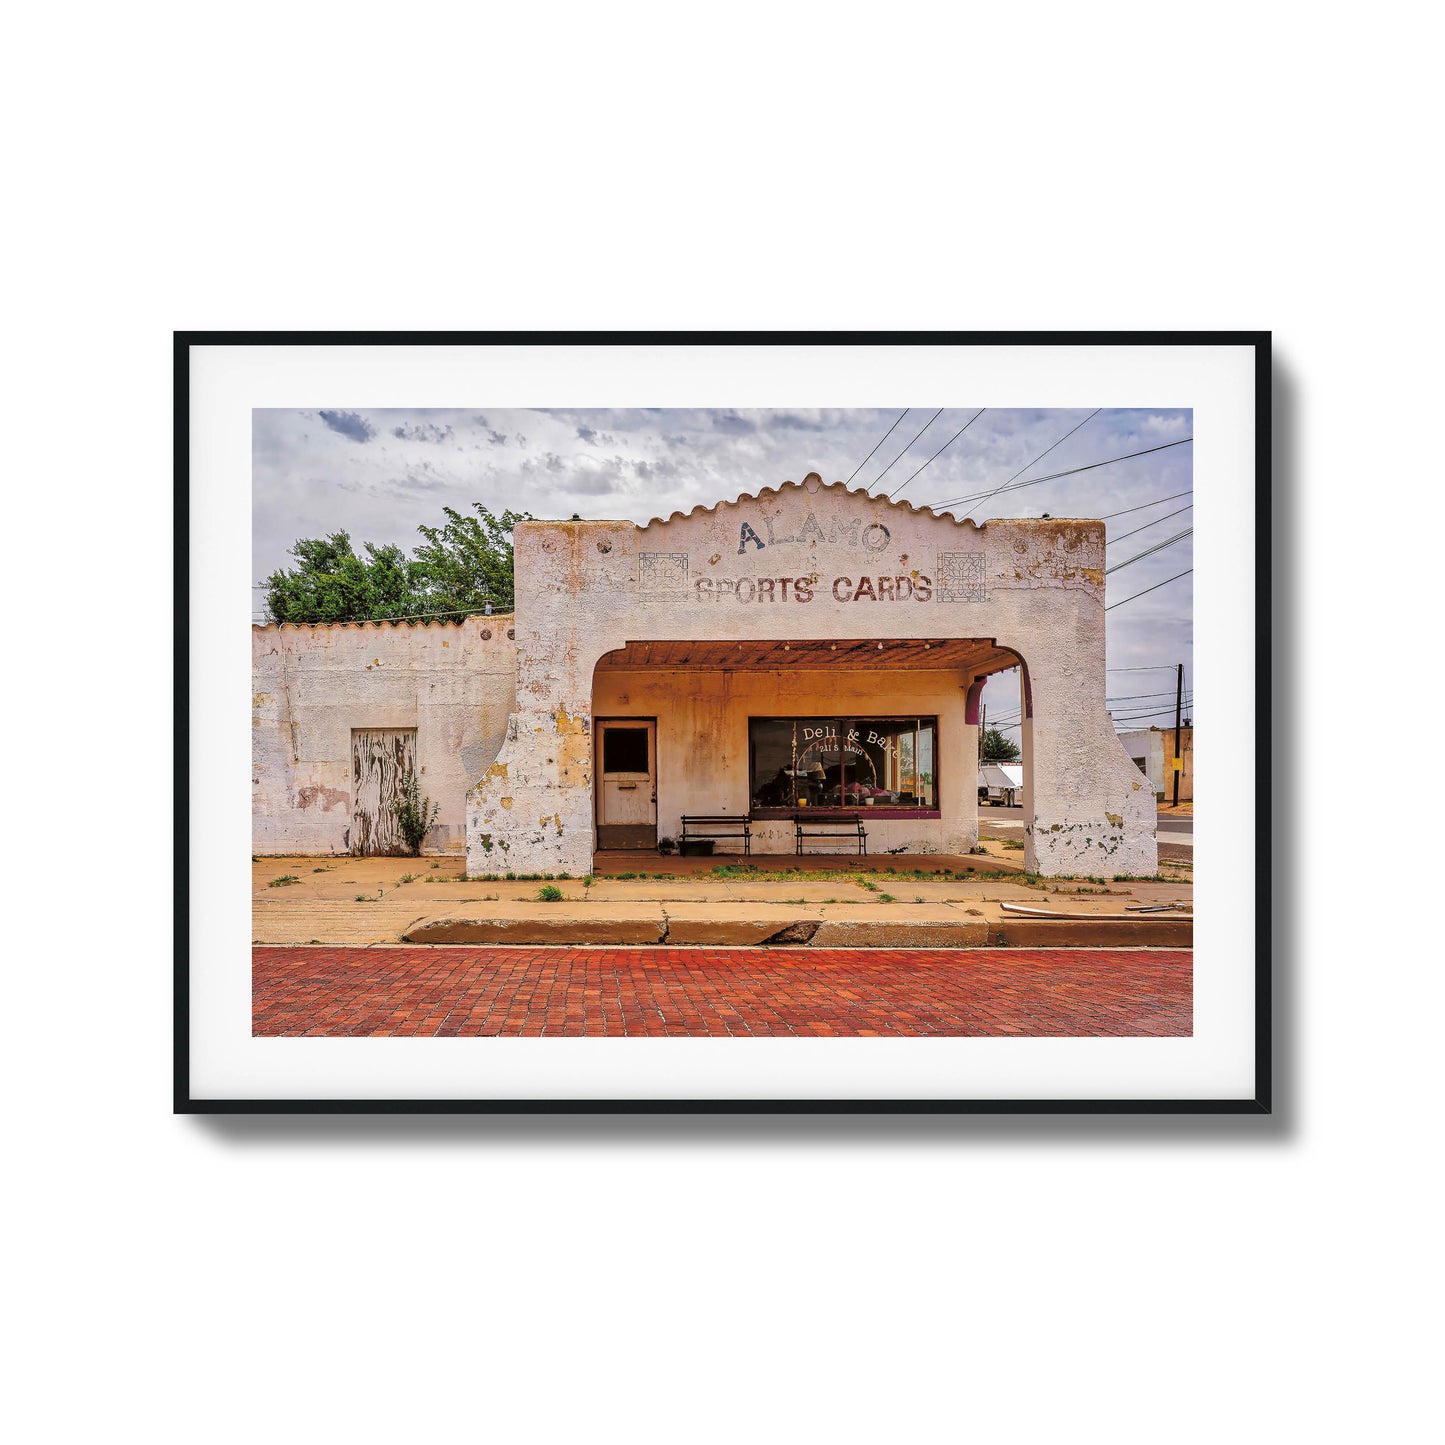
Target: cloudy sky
x=381, y=473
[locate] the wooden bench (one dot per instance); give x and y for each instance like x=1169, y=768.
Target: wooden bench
x=717, y=826
x=834, y=825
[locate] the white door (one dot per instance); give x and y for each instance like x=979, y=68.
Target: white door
x=627, y=783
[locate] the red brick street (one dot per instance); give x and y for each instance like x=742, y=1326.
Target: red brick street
x=461, y=992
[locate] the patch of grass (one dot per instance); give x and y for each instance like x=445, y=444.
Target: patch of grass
x=869, y=884
x=283, y=880
x=406, y=878
x=363, y=898
x=795, y=900
x=561, y=875
x=1013, y=845
x=735, y=870
x=888, y=898
x=917, y=899
x=511, y=876
x=627, y=875
x=589, y=880
x=436, y=865
x=1029, y=880
x=549, y=893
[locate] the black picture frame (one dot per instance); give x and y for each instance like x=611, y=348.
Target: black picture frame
x=185, y=1100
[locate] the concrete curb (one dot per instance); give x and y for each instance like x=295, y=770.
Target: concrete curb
x=774, y=926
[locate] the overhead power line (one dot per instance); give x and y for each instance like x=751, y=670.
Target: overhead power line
x=1006, y=485
x=1158, y=712
x=1013, y=714
x=1156, y=667
x=905, y=451
x=1149, y=551
x=878, y=444
x=977, y=497
x=1148, y=590
x=941, y=449
x=1144, y=506
x=1147, y=525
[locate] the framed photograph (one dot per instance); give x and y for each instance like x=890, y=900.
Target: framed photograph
x=722, y=722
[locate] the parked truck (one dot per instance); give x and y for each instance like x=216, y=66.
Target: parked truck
x=1000, y=783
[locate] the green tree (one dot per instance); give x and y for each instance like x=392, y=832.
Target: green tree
x=999, y=749
x=332, y=584
x=467, y=563
x=461, y=567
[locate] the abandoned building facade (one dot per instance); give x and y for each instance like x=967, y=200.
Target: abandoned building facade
x=808, y=653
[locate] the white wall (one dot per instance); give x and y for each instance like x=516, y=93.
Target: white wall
x=312, y=685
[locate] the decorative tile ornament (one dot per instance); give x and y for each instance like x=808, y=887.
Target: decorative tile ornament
x=662, y=571
x=961, y=577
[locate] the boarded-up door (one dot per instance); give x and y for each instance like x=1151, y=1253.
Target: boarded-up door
x=381, y=758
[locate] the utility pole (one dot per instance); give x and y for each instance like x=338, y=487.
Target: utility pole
x=1178, y=736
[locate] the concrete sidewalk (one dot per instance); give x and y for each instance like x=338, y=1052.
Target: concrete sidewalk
x=928, y=901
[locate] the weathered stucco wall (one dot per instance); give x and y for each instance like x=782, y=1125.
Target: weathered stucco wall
x=702, y=742
x=584, y=589
x=311, y=686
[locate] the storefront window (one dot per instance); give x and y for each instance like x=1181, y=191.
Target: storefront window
x=843, y=762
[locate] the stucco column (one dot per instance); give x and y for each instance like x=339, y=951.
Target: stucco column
x=1088, y=810
x=531, y=812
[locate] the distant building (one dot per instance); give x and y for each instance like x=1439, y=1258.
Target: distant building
x=1152, y=750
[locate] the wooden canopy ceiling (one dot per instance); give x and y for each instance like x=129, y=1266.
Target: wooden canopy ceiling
x=974, y=655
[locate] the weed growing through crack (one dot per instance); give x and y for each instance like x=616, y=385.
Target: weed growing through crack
x=589, y=880
x=282, y=881
x=886, y=898
x=406, y=878
x=549, y=893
